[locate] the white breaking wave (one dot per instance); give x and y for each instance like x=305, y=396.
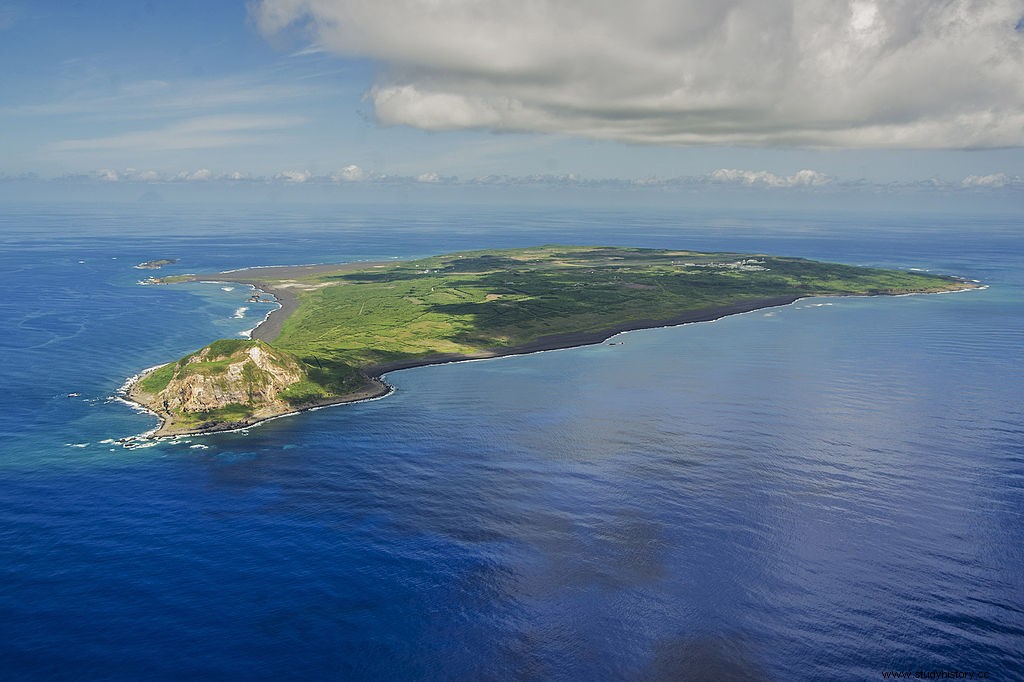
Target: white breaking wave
x=247, y=333
x=240, y=313
x=300, y=265
x=227, y=288
x=139, y=445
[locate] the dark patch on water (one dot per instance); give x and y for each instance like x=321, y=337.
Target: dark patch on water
x=724, y=658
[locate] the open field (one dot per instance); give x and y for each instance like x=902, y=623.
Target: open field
x=478, y=301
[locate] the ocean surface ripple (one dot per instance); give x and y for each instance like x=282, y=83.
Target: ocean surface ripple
x=815, y=491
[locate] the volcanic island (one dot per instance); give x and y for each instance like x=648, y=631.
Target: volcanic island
x=340, y=328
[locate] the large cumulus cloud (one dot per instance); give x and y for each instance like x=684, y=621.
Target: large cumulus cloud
x=829, y=73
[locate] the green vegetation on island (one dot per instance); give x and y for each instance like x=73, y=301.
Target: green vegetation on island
x=341, y=327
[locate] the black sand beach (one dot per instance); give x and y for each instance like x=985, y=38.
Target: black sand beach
x=270, y=328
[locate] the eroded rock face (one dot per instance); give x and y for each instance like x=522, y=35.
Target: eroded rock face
x=250, y=376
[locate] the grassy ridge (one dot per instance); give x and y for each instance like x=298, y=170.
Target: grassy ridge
x=157, y=380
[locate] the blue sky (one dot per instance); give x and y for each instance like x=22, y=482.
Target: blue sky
x=828, y=94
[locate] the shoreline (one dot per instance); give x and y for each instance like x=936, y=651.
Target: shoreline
x=288, y=300
x=580, y=339
x=375, y=386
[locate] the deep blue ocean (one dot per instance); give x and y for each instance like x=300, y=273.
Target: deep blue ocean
x=827, y=490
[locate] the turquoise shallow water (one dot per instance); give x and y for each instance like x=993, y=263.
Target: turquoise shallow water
x=828, y=488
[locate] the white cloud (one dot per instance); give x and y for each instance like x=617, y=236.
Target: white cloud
x=829, y=73
x=803, y=178
x=992, y=180
x=127, y=175
x=351, y=173
x=145, y=176
x=149, y=99
x=743, y=180
x=201, y=175
x=294, y=176
x=206, y=132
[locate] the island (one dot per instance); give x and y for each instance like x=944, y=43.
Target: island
x=340, y=328
x=156, y=264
